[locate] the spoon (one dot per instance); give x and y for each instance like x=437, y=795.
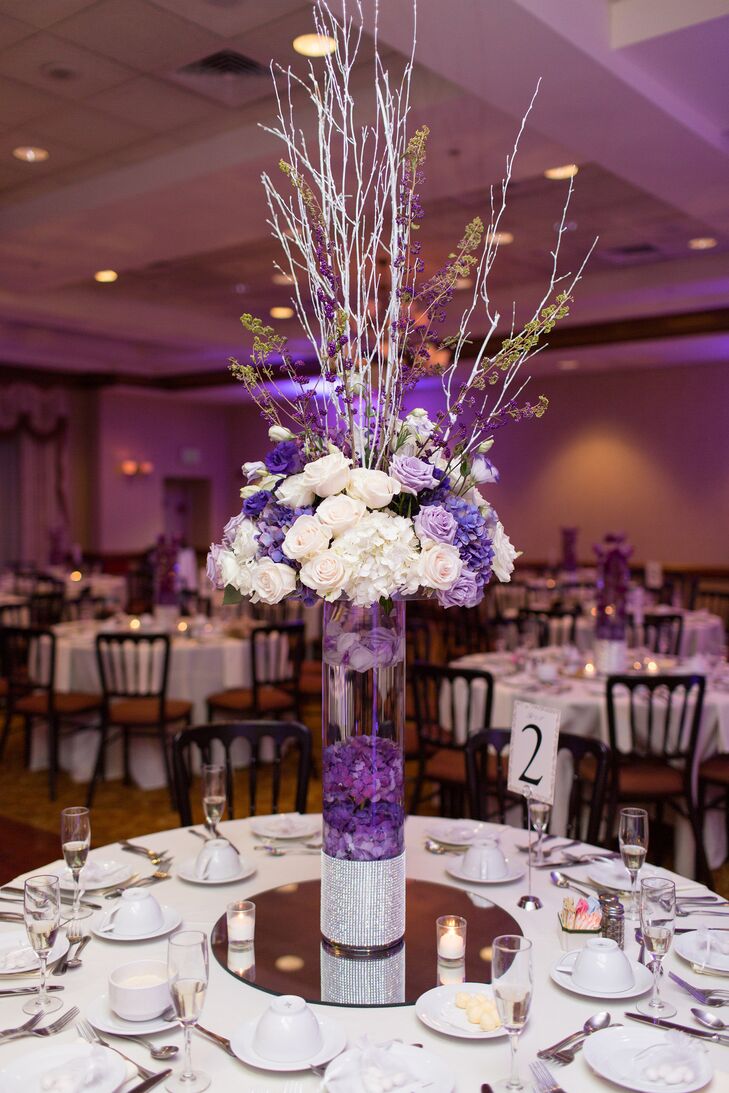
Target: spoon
x=435, y=848
x=280, y=852
x=595, y=1023
x=75, y=961
x=164, y=1051
x=560, y=881
x=709, y=1019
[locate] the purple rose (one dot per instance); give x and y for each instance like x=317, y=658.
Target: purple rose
x=412, y=473
x=285, y=459
x=466, y=592
x=231, y=527
x=436, y=523
x=212, y=566
x=256, y=503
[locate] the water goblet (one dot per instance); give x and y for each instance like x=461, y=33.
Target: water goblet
x=633, y=840
x=187, y=971
x=42, y=914
x=75, y=842
x=657, y=924
x=511, y=980
x=214, y=794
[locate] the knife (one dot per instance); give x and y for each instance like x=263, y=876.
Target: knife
x=221, y=1041
x=8, y=992
x=700, y=1034
x=64, y=899
x=150, y=1083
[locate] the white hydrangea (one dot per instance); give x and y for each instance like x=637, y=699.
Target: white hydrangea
x=379, y=553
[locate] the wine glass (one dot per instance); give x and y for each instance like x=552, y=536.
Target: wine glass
x=511, y=980
x=633, y=839
x=657, y=923
x=42, y=913
x=213, y=794
x=75, y=841
x=187, y=973
x=540, y=814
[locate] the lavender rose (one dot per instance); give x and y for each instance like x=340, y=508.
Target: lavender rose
x=285, y=459
x=466, y=592
x=412, y=473
x=436, y=523
x=231, y=528
x=212, y=567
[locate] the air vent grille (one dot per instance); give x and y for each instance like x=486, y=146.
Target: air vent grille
x=224, y=63
x=632, y=252
x=227, y=77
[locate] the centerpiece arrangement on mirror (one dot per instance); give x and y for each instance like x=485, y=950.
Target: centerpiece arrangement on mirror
x=367, y=499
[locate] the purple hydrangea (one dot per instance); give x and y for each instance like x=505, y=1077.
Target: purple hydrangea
x=472, y=538
x=413, y=474
x=256, y=503
x=436, y=523
x=286, y=458
x=466, y=592
x=272, y=526
x=363, y=798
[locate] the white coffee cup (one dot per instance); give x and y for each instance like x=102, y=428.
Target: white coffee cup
x=139, y=991
x=485, y=861
x=137, y=912
x=546, y=671
x=601, y=966
x=287, y=1031
x=217, y=860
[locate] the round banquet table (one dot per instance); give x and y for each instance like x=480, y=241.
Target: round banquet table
x=230, y=1001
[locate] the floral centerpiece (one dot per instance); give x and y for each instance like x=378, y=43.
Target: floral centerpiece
x=362, y=501
x=613, y=583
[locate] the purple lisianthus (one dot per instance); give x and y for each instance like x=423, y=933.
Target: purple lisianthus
x=231, y=527
x=212, y=565
x=256, y=503
x=413, y=474
x=466, y=592
x=436, y=523
x=286, y=458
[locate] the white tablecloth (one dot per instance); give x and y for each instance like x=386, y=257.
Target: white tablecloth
x=702, y=632
x=555, y=1013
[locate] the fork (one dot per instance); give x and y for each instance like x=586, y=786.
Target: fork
x=91, y=1036
x=155, y=856
x=705, y=997
x=145, y=882
x=49, y=1030
x=544, y=1078
x=25, y=1027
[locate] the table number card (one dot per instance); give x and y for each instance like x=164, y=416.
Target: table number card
x=533, y=751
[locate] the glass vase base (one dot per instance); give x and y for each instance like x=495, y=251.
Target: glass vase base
x=363, y=902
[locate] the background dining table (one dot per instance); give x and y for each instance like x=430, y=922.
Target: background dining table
x=231, y=1001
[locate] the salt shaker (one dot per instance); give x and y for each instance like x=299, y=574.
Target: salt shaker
x=613, y=919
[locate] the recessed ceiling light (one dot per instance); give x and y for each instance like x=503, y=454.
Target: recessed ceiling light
x=281, y=312
x=567, y=170
x=501, y=238
x=703, y=242
x=568, y=366
x=314, y=45
x=29, y=154
x=105, y=276
x=282, y=279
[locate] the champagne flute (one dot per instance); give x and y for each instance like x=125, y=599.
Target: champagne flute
x=213, y=794
x=75, y=841
x=540, y=814
x=187, y=973
x=511, y=980
x=657, y=924
x=42, y=913
x=633, y=840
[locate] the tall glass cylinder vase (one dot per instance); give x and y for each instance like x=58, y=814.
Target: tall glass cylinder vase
x=363, y=715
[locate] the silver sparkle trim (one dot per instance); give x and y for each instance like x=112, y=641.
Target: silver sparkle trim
x=377, y=980
x=363, y=902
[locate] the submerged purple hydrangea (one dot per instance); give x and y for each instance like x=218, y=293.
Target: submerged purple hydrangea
x=363, y=798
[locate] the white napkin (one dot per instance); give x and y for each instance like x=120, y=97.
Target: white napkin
x=285, y=823
x=20, y=958
x=101, y=872
x=708, y=941
x=369, y=1068
x=77, y=1074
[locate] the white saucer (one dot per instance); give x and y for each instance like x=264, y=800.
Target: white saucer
x=171, y=920
x=186, y=871
x=438, y=1010
x=642, y=976
x=514, y=873
x=333, y=1033
x=457, y=833
x=426, y=1069
x=611, y=1051
x=18, y=939
x=290, y=825
x=115, y=872
x=24, y=1074
x=102, y=1017
x=687, y=947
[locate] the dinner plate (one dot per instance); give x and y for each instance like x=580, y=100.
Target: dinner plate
x=514, y=873
x=438, y=1010
x=186, y=871
x=17, y=939
x=458, y=833
x=112, y=872
x=427, y=1070
x=25, y=1074
x=171, y=920
x=289, y=825
x=690, y=948
x=611, y=1054
x=102, y=1017
x=334, y=1038
x=642, y=976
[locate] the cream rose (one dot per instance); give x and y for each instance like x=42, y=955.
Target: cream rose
x=277, y=433
x=504, y=554
x=375, y=488
x=294, y=493
x=272, y=581
x=327, y=475
x=339, y=513
x=306, y=537
x=245, y=543
x=326, y=573
x=440, y=565
x=232, y=572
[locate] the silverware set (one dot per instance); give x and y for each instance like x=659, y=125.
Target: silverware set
x=88, y=1033
x=161, y=873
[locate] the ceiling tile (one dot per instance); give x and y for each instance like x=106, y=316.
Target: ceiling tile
x=88, y=130
x=153, y=104
x=229, y=17
x=19, y=102
x=29, y=61
x=138, y=34
x=12, y=31
x=42, y=13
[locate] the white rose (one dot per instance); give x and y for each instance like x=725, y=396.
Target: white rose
x=245, y=543
x=440, y=565
x=293, y=492
x=418, y=422
x=278, y=433
x=326, y=573
x=253, y=470
x=339, y=513
x=504, y=554
x=327, y=475
x=272, y=581
x=305, y=537
x=233, y=573
x=375, y=488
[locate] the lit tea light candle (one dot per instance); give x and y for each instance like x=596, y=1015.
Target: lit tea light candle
x=241, y=918
x=451, y=974
x=652, y=667
x=451, y=938
x=77, y=575
x=182, y=626
x=134, y=624
x=589, y=668
x=242, y=962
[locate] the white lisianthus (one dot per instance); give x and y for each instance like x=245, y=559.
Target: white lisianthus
x=248, y=491
x=483, y=470
x=254, y=470
x=440, y=565
x=339, y=513
x=419, y=424
x=233, y=573
x=277, y=433
x=327, y=475
x=378, y=553
x=306, y=537
x=245, y=543
x=504, y=554
x=486, y=445
x=294, y=493
x=272, y=581
x=375, y=488
x=326, y=574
